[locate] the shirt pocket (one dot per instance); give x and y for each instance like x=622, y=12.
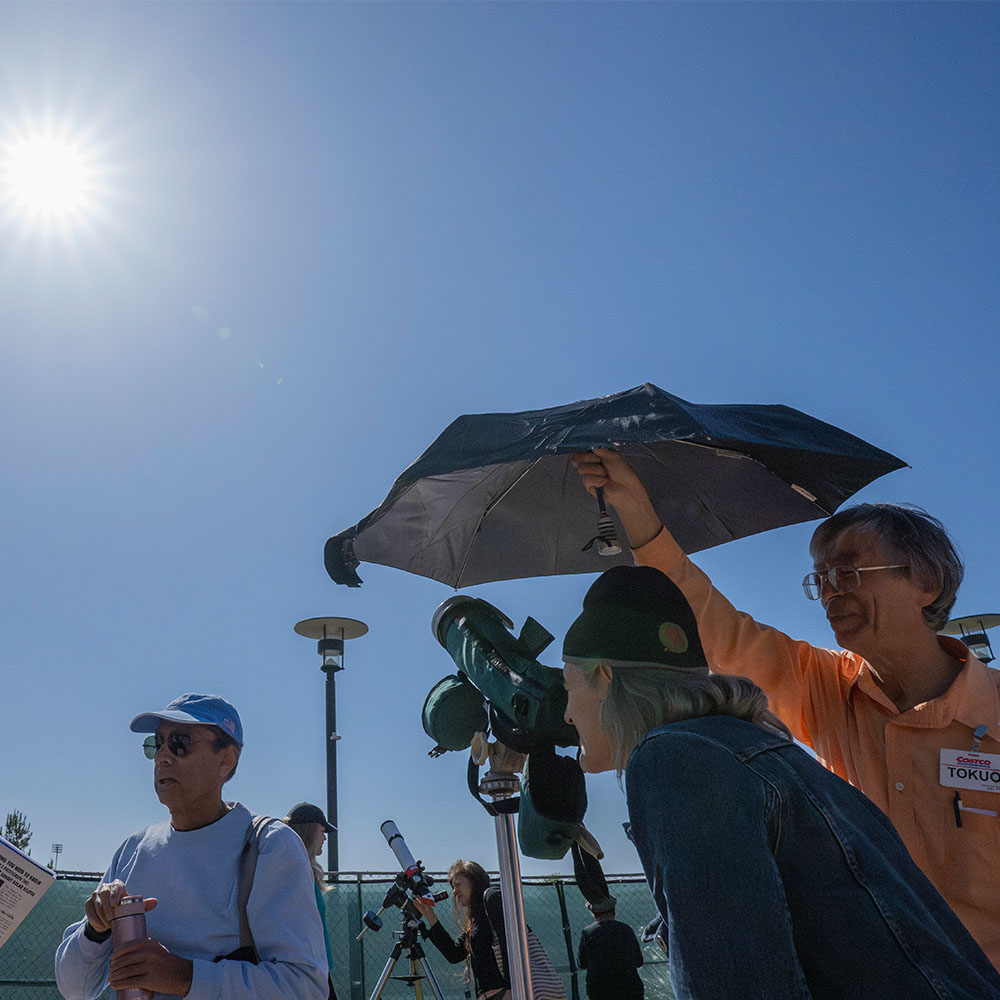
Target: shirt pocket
x=970, y=849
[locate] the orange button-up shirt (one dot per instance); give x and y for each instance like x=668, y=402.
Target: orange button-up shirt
x=830, y=701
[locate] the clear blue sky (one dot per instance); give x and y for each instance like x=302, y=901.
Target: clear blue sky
x=325, y=230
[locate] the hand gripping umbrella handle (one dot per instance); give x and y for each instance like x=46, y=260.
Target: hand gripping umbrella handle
x=606, y=536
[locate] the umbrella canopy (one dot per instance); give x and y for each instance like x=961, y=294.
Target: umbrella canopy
x=495, y=496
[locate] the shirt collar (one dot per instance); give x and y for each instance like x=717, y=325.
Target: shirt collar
x=972, y=699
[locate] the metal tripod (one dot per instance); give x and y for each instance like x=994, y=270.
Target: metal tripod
x=409, y=941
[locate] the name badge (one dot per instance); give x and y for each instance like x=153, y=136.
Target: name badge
x=970, y=769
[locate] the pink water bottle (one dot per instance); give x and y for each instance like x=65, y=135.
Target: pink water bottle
x=129, y=924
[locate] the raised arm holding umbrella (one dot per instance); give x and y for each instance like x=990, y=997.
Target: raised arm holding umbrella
x=895, y=708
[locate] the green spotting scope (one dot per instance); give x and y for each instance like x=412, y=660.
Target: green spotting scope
x=527, y=700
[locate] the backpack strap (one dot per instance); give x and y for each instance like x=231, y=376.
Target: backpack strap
x=247, y=870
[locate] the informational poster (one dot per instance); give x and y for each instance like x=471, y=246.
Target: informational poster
x=23, y=882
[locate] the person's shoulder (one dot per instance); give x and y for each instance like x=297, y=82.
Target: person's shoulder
x=273, y=834
x=699, y=751
x=149, y=839
x=622, y=929
x=722, y=732
x=154, y=833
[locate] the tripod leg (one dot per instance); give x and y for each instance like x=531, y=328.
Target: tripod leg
x=418, y=992
x=421, y=964
x=386, y=973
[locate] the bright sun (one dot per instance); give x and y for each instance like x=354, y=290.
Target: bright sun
x=47, y=175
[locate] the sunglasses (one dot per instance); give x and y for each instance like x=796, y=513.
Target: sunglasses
x=179, y=744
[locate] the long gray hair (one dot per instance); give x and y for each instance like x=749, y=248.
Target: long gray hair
x=642, y=698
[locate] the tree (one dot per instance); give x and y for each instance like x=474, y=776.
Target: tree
x=17, y=830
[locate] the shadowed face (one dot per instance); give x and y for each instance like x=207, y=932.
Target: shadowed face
x=315, y=839
x=886, y=605
x=461, y=888
x=190, y=786
x=585, y=692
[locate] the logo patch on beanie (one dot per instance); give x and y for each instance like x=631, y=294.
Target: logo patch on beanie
x=673, y=637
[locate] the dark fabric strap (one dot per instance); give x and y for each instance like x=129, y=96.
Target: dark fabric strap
x=493, y=808
x=591, y=881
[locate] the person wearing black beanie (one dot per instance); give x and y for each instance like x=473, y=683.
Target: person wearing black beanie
x=776, y=878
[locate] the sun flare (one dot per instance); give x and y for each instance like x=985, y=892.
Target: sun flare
x=47, y=175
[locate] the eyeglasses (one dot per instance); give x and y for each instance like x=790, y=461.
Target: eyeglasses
x=179, y=744
x=840, y=578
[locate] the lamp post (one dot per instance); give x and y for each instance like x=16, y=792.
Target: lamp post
x=972, y=630
x=56, y=850
x=331, y=634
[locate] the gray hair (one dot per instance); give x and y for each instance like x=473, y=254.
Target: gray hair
x=642, y=698
x=910, y=535
x=220, y=741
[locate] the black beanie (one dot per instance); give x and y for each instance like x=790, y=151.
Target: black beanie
x=635, y=614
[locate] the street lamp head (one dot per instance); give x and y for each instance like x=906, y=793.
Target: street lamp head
x=332, y=653
x=331, y=633
x=972, y=630
x=979, y=646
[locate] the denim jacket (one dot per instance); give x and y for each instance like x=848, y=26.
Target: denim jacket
x=778, y=880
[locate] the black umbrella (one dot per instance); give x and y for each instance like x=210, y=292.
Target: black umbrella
x=495, y=497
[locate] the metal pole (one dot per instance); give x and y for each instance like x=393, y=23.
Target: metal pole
x=513, y=907
x=332, y=846
x=501, y=787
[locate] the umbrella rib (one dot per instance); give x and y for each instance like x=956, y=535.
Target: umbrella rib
x=468, y=551
x=805, y=494
x=697, y=496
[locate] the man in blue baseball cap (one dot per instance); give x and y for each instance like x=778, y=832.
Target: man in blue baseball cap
x=190, y=870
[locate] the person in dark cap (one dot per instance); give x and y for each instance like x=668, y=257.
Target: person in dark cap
x=776, y=878
x=609, y=949
x=310, y=823
x=610, y=952
x=205, y=941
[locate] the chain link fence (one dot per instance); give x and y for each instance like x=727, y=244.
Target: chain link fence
x=554, y=908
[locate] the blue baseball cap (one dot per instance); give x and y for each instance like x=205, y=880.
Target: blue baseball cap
x=196, y=709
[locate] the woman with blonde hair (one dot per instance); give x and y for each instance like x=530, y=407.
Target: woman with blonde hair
x=309, y=822
x=776, y=879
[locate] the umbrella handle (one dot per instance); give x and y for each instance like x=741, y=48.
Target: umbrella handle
x=606, y=537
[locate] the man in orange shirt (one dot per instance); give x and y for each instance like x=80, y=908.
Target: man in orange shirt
x=909, y=717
